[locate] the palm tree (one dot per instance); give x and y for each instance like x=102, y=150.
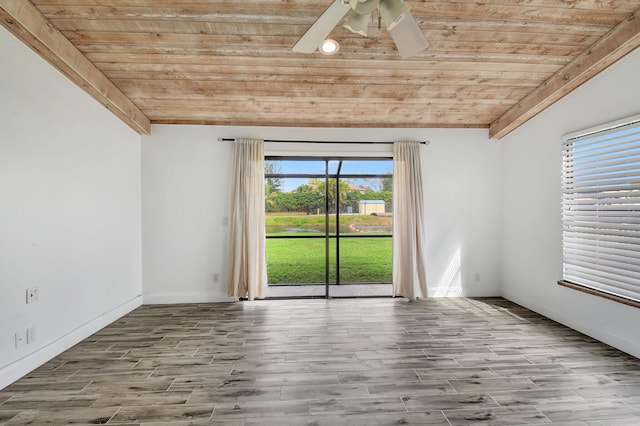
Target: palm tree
x=342, y=189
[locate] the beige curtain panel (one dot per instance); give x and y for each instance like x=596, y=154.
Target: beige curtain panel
x=247, y=255
x=409, y=272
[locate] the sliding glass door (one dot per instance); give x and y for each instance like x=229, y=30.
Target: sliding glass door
x=329, y=226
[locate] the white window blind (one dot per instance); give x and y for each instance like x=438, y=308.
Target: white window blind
x=601, y=209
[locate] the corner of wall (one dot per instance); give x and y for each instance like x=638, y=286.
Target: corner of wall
x=23, y=366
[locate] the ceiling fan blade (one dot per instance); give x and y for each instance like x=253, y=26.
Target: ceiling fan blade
x=408, y=37
x=320, y=29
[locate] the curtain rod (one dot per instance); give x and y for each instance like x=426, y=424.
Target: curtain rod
x=346, y=142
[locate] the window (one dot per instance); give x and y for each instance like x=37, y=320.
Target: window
x=601, y=211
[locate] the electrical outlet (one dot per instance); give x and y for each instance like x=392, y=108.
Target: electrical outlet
x=33, y=294
x=476, y=277
x=225, y=221
x=20, y=338
x=31, y=335
x=216, y=277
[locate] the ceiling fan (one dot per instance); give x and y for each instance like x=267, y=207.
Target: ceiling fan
x=395, y=14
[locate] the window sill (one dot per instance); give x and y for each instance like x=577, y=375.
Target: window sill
x=602, y=294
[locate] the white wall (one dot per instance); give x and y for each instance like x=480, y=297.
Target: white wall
x=532, y=243
x=186, y=176
x=462, y=193
x=69, y=211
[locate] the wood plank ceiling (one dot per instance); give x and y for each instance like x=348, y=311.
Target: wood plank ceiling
x=490, y=63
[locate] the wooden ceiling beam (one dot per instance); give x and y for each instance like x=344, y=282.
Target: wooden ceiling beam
x=29, y=25
x=289, y=121
x=621, y=40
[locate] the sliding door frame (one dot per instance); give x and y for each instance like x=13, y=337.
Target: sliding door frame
x=327, y=234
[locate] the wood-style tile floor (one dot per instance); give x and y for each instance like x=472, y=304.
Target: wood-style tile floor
x=332, y=362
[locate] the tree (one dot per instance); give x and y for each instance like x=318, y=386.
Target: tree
x=353, y=199
x=339, y=197
x=387, y=184
x=306, y=198
x=270, y=199
x=273, y=184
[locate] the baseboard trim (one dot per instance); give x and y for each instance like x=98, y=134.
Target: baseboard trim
x=25, y=365
x=444, y=292
x=173, y=298
x=619, y=342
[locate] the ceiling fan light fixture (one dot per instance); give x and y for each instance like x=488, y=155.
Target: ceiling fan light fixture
x=393, y=12
x=357, y=23
x=402, y=26
x=408, y=37
x=329, y=47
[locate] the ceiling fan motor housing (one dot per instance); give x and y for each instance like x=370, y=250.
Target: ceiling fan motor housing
x=404, y=29
x=364, y=7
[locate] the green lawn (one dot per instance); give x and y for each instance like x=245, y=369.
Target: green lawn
x=301, y=261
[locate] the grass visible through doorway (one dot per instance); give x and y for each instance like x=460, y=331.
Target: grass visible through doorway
x=302, y=261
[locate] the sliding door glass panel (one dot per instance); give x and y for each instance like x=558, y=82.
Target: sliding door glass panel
x=329, y=222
